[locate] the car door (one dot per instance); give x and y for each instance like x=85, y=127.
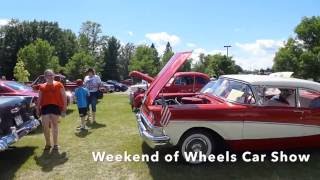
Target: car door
x=271, y=125
x=309, y=103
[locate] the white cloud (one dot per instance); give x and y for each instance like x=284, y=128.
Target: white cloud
x=261, y=47
x=163, y=37
x=196, y=53
x=4, y=22
x=250, y=56
x=256, y=55
x=191, y=45
x=130, y=33
x=160, y=40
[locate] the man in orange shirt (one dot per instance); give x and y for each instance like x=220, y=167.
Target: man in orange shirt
x=52, y=103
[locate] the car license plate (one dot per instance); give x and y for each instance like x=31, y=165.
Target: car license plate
x=18, y=120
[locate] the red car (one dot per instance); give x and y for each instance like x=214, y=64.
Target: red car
x=181, y=82
x=242, y=112
x=13, y=88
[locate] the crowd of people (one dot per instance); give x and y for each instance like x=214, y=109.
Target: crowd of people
x=52, y=104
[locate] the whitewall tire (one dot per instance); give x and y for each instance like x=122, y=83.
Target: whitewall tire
x=199, y=142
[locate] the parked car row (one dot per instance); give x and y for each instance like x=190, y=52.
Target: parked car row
x=118, y=86
x=240, y=112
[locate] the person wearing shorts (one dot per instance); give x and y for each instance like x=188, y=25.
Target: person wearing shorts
x=52, y=103
x=82, y=94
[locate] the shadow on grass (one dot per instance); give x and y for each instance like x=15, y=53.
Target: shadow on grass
x=82, y=134
x=48, y=160
x=69, y=111
x=12, y=159
x=37, y=131
x=96, y=125
x=234, y=170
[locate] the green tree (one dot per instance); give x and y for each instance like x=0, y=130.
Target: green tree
x=287, y=58
x=201, y=64
x=143, y=60
x=186, y=66
x=78, y=64
x=168, y=53
x=310, y=65
x=90, y=38
x=66, y=46
x=20, y=73
x=111, y=59
x=126, y=53
x=17, y=35
x=220, y=65
x=156, y=58
x=309, y=32
x=301, y=54
x=37, y=57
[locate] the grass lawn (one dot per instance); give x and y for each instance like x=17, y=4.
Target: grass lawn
x=116, y=133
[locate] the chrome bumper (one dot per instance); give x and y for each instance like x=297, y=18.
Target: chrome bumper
x=16, y=134
x=145, y=130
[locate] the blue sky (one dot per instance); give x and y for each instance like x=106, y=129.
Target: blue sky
x=255, y=29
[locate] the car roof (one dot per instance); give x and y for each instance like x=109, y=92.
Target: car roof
x=275, y=81
x=192, y=73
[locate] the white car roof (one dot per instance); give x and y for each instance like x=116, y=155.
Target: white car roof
x=276, y=81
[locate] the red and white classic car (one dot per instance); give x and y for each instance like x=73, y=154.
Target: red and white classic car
x=241, y=112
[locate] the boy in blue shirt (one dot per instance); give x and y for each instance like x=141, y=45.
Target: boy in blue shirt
x=82, y=94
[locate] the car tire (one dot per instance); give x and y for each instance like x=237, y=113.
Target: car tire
x=197, y=141
x=117, y=90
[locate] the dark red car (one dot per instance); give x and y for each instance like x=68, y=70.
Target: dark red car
x=13, y=88
x=181, y=82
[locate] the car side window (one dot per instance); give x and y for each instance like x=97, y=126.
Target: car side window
x=200, y=80
x=183, y=80
x=308, y=99
x=276, y=96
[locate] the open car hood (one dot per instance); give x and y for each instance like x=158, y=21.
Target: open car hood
x=176, y=61
x=140, y=75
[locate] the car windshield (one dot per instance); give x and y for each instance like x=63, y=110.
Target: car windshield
x=230, y=90
x=17, y=86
